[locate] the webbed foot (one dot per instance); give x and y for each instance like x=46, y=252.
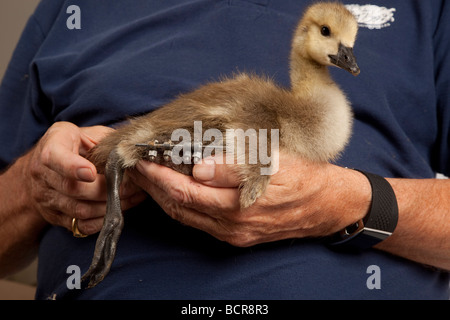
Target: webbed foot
x=105, y=251
x=105, y=248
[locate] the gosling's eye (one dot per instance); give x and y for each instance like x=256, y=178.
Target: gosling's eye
x=325, y=31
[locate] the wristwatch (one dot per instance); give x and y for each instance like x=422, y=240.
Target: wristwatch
x=377, y=225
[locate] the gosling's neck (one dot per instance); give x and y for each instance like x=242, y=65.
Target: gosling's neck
x=312, y=83
x=308, y=78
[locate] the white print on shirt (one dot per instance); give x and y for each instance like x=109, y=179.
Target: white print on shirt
x=371, y=16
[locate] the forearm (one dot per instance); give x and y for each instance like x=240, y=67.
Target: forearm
x=20, y=225
x=423, y=230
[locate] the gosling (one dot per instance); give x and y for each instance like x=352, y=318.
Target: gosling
x=314, y=119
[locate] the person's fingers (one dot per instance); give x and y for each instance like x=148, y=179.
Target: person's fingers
x=74, y=208
x=128, y=188
x=59, y=151
x=91, y=136
x=90, y=214
x=64, y=185
x=93, y=191
x=68, y=164
x=210, y=173
x=87, y=226
x=185, y=190
x=58, y=209
x=185, y=215
x=96, y=133
x=224, y=227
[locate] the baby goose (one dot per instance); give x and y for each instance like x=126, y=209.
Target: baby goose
x=313, y=117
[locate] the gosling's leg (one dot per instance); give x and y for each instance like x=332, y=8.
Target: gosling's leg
x=105, y=248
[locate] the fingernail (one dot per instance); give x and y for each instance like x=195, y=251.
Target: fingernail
x=85, y=174
x=205, y=171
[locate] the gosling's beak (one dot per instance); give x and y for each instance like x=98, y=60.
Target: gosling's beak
x=345, y=59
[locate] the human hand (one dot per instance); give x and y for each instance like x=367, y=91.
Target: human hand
x=303, y=199
x=63, y=185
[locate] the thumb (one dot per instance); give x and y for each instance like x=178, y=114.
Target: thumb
x=59, y=151
x=210, y=173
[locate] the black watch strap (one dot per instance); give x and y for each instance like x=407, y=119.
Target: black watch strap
x=378, y=224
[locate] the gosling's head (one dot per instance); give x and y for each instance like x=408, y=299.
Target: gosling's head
x=326, y=34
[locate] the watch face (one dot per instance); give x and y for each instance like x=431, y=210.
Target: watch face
x=353, y=229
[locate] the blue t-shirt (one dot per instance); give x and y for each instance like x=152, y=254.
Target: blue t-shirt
x=130, y=57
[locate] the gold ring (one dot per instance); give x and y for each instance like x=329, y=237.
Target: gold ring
x=75, y=231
